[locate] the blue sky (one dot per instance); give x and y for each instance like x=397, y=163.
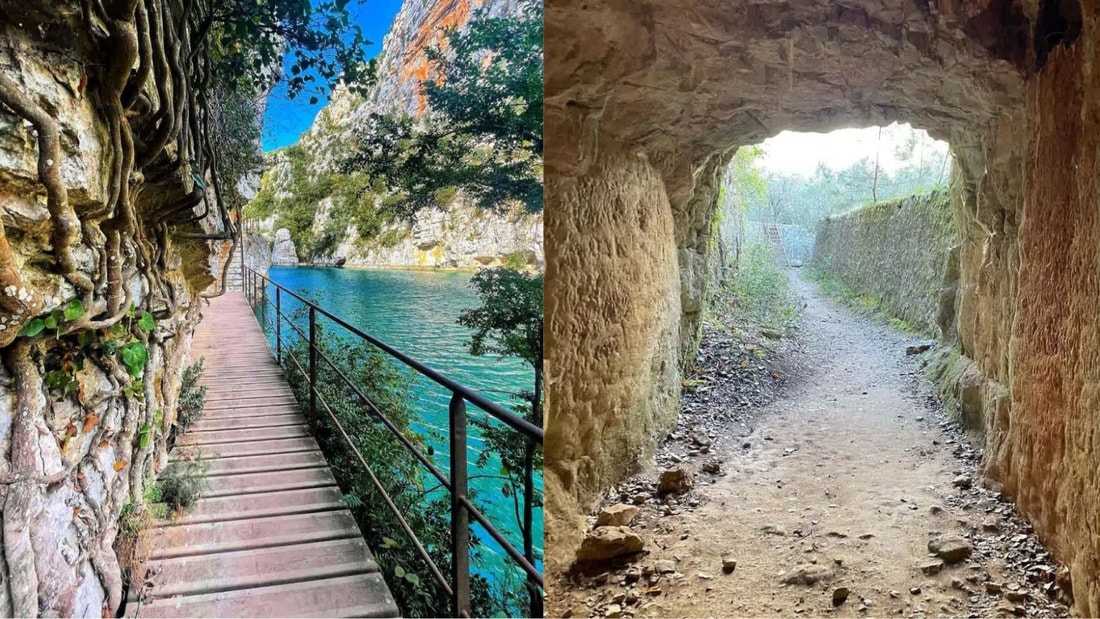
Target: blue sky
x=286, y=120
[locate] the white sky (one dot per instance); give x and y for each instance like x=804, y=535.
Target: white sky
x=799, y=153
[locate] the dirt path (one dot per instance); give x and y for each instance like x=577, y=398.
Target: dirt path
x=845, y=479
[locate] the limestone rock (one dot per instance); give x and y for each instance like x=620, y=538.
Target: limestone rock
x=931, y=568
x=808, y=574
x=729, y=564
x=950, y=548
x=453, y=234
x=283, y=251
x=675, y=480
x=608, y=543
x=618, y=515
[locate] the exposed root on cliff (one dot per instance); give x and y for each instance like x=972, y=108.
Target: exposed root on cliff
x=111, y=258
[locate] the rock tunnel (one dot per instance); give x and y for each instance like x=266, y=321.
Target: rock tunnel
x=648, y=100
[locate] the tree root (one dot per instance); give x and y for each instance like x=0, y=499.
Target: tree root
x=21, y=495
x=66, y=226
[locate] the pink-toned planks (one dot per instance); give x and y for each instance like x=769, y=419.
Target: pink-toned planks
x=271, y=536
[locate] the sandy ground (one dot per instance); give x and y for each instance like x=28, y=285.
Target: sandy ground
x=847, y=474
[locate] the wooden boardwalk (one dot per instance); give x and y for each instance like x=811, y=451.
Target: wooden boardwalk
x=271, y=536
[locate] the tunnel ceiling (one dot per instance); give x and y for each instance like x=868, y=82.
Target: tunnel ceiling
x=696, y=77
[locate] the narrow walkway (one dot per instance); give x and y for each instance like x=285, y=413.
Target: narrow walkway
x=826, y=500
x=271, y=535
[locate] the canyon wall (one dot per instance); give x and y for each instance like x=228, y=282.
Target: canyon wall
x=896, y=252
x=662, y=91
x=83, y=428
x=456, y=233
x=1045, y=446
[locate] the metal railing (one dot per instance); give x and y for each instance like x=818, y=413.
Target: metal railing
x=255, y=286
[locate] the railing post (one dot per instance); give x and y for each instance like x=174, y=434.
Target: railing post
x=460, y=518
x=536, y=605
x=278, y=327
x=313, y=362
x=240, y=233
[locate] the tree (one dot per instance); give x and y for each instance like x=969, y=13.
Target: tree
x=483, y=131
x=509, y=322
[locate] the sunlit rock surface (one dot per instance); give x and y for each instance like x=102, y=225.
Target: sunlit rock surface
x=457, y=234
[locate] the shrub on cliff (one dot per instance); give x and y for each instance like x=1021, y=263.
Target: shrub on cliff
x=483, y=132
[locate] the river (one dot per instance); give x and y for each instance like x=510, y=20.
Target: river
x=415, y=312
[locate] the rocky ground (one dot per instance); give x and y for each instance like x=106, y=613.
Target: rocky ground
x=811, y=475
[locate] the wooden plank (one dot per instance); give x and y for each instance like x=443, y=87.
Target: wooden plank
x=250, y=448
x=258, y=567
x=248, y=411
x=215, y=537
x=228, y=410
x=363, y=595
x=213, y=437
x=260, y=505
x=259, y=464
x=247, y=483
x=272, y=535
x=248, y=398
x=256, y=421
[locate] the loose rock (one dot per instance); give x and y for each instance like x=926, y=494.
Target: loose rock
x=609, y=542
x=840, y=594
x=675, y=481
x=950, y=548
x=931, y=568
x=619, y=515
x=807, y=574
x=729, y=564
x=664, y=567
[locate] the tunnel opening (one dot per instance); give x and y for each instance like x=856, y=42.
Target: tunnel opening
x=880, y=191
x=648, y=101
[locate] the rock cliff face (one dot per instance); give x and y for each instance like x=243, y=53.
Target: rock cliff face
x=454, y=235
x=898, y=252
x=656, y=94
x=283, y=251
x=70, y=454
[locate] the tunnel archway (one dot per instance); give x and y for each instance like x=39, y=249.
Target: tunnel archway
x=646, y=102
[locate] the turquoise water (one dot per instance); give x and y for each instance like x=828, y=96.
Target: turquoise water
x=415, y=312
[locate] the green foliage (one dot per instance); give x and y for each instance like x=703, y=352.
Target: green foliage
x=761, y=290
x=192, y=398
x=516, y=260
x=509, y=322
x=54, y=320
x=509, y=319
x=249, y=40
x=294, y=201
x=398, y=472
x=484, y=132
x=743, y=181
x=801, y=201
x=134, y=356
x=182, y=483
